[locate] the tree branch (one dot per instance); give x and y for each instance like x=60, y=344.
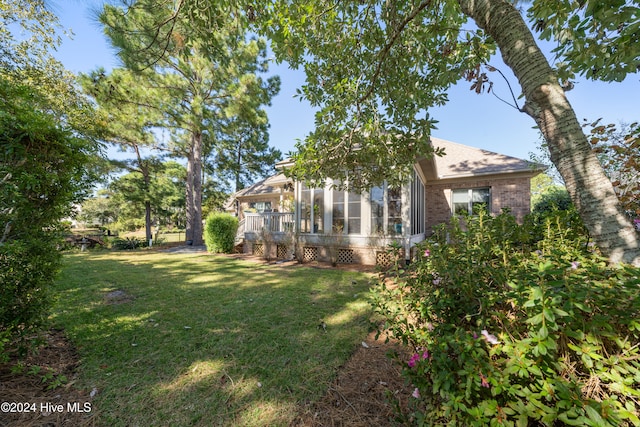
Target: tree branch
x=513, y=96
x=387, y=48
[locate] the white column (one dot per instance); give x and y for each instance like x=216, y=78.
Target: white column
x=328, y=207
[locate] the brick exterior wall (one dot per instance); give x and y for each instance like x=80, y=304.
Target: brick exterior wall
x=512, y=193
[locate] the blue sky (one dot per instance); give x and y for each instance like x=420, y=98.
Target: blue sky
x=477, y=120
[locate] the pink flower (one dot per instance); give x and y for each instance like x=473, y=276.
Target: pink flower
x=413, y=360
x=416, y=393
x=427, y=252
x=436, y=281
x=483, y=381
x=491, y=339
x=575, y=265
x=416, y=358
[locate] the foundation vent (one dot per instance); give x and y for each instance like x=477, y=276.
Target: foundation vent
x=345, y=256
x=258, y=249
x=310, y=253
x=281, y=251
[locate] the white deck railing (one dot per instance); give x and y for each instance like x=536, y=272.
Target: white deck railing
x=275, y=222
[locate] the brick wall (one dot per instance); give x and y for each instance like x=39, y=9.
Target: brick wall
x=514, y=193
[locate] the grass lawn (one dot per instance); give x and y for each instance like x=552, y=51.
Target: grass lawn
x=198, y=339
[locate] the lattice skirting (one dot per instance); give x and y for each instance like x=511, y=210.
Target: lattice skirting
x=345, y=256
x=258, y=249
x=282, y=251
x=386, y=259
x=309, y=253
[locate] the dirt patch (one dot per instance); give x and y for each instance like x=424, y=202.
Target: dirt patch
x=117, y=297
x=32, y=404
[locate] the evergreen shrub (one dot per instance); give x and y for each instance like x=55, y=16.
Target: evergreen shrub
x=220, y=232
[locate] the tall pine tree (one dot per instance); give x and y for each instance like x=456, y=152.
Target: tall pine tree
x=194, y=79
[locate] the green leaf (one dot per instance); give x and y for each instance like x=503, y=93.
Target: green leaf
x=594, y=417
x=538, y=318
x=543, y=332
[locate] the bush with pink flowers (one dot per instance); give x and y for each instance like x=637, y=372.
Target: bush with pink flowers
x=517, y=325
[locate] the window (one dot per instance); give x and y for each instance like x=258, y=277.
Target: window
x=338, y=211
x=354, y=214
x=386, y=210
x=311, y=210
x=260, y=206
x=465, y=201
x=377, y=210
x=318, y=210
x=305, y=209
x=347, y=211
x=394, y=222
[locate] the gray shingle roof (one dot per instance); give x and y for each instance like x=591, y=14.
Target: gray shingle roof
x=459, y=161
x=465, y=161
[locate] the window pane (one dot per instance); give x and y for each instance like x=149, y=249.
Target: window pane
x=354, y=213
x=338, y=196
x=460, y=196
x=338, y=211
x=480, y=197
x=318, y=210
x=354, y=225
x=461, y=208
x=377, y=210
x=394, y=224
x=305, y=210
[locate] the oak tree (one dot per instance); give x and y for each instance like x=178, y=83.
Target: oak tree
x=375, y=68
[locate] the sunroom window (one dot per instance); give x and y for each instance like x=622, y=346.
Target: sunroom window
x=466, y=201
x=311, y=210
x=394, y=223
x=347, y=211
x=386, y=210
x=377, y=210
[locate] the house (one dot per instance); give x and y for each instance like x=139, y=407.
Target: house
x=280, y=218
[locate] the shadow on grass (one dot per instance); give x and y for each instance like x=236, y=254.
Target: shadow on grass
x=206, y=340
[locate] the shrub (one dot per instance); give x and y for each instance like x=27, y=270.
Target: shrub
x=220, y=232
x=556, y=198
x=27, y=269
x=510, y=330
x=128, y=243
x=43, y=172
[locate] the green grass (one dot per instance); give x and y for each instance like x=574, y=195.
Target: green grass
x=207, y=340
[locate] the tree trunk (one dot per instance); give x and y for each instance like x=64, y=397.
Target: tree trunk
x=589, y=188
x=147, y=220
x=238, y=165
x=194, y=191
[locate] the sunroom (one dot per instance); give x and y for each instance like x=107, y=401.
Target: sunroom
x=334, y=225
